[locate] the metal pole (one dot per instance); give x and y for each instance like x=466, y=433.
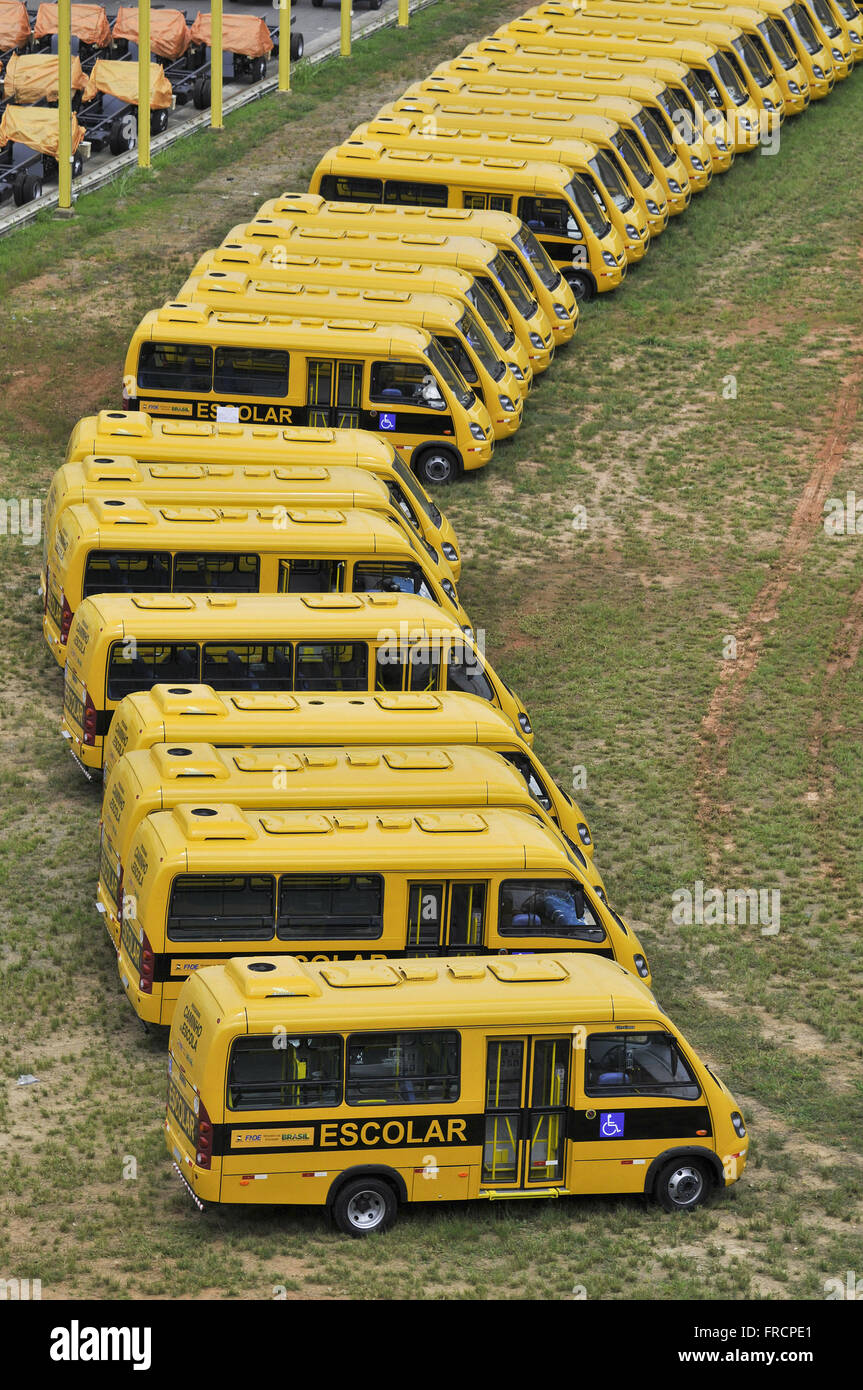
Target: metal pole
x=284, y=45
x=64, y=102
x=404, y=11
x=216, y=66
x=143, y=84
x=346, y=28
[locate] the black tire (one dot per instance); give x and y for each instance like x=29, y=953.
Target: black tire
x=581, y=286
x=77, y=164
x=683, y=1184
x=201, y=91
x=25, y=188
x=436, y=467
x=364, y=1207
x=118, y=141
x=158, y=121
x=317, y=3
x=374, y=4
x=298, y=47
x=259, y=69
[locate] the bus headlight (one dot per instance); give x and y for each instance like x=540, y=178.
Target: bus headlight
x=506, y=403
x=535, y=340
x=477, y=431
x=721, y=144
x=633, y=231
x=674, y=185
x=837, y=54
x=450, y=552
x=696, y=163
x=816, y=70
x=768, y=104
x=641, y=966
x=449, y=589
x=737, y=1121
x=794, y=89
x=608, y=258
x=652, y=207
x=584, y=833
x=525, y=723
x=516, y=371
x=562, y=313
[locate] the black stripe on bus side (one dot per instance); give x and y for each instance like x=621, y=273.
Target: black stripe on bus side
x=353, y=1135
x=429, y=423
x=162, y=964
x=654, y=1122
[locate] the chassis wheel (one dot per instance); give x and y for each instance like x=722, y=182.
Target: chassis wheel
x=437, y=466
x=683, y=1185
x=581, y=286
x=364, y=1206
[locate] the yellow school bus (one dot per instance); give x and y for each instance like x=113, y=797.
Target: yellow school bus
x=306, y=222
x=467, y=136
x=451, y=325
x=185, y=360
x=208, y=880
x=231, y=719
x=167, y=775
x=560, y=211
x=363, y=1086
x=617, y=158
x=593, y=76
x=616, y=21
x=123, y=546
x=792, y=23
x=367, y=273
x=122, y=643
x=159, y=456
x=513, y=239
x=759, y=35
x=648, y=152
x=684, y=122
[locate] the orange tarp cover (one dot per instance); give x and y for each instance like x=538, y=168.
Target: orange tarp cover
x=170, y=35
x=240, y=34
x=120, y=80
x=89, y=23
x=32, y=77
x=14, y=25
x=36, y=126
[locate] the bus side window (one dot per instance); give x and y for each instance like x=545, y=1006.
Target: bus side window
x=547, y=907
x=465, y=673
x=208, y=573
x=402, y=1068
x=143, y=664
x=126, y=571
x=467, y=914
x=301, y=1072
x=311, y=576
x=247, y=665
x=351, y=189
x=332, y=666
x=638, y=1064
x=175, y=367
x=390, y=576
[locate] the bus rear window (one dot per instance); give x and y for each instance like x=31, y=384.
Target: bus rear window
x=134, y=666
x=251, y=372
x=127, y=571
x=300, y=1073
x=175, y=367
x=222, y=907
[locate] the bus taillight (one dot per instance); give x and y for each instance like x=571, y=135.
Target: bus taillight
x=203, y=1138
x=65, y=619
x=89, y=721
x=148, y=964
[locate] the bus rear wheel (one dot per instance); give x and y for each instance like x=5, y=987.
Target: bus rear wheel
x=437, y=466
x=364, y=1206
x=683, y=1185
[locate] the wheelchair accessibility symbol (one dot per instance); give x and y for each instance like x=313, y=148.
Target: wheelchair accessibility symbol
x=611, y=1124
x=386, y=422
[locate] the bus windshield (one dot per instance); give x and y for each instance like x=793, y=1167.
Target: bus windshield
x=772, y=31
x=701, y=96
x=825, y=18
x=410, y=484
x=449, y=375
x=506, y=276
x=656, y=138
x=848, y=9
x=492, y=310
x=581, y=192
x=628, y=149
x=721, y=65
x=605, y=169
x=526, y=243
x=797, y=16
x=473, y=332
x=678, y=106
x=745, y=49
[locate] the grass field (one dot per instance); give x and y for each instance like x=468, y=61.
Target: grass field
x=702, y=419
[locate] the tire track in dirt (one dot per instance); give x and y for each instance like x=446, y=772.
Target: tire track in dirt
x=719, y=723
x=844, y=653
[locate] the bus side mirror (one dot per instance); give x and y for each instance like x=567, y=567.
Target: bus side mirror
x=578, y=896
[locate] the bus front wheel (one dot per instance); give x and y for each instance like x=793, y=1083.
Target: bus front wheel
x=363, y=1206
x=437, y=466
x=683, y=1185
x=581, y=286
